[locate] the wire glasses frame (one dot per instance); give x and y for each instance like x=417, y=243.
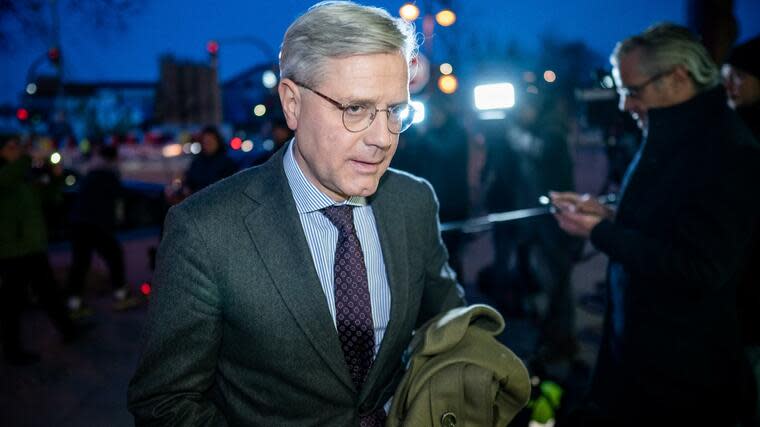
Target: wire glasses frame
x=358, y=117
x=634, y=91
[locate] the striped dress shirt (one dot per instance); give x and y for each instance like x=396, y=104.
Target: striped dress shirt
x=322, y=237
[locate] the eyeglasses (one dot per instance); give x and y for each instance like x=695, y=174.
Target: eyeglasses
x=634, y=91
x=358, y=117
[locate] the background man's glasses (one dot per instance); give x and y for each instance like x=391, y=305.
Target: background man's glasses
x=634, y=91
x=358, y=117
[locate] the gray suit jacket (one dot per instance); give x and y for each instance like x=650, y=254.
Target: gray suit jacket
x=238, y=329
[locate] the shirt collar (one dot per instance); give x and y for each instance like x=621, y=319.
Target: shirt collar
x=307, y=197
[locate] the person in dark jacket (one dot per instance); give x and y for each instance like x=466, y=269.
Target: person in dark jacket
x=211, y=165
x=671, y=352
x=94, y=218
x=741, y=76
x=23, y=251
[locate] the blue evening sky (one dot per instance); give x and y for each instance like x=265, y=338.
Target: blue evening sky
x=182, y=27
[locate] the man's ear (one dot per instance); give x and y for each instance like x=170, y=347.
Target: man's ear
x=290, y=98
x=681, y=76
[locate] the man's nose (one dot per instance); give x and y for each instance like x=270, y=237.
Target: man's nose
x=378, y=133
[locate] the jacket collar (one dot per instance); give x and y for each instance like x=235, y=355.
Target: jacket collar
x=676, y=124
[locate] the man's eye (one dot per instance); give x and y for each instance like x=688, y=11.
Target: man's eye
x=400, y=110
x=356, y=110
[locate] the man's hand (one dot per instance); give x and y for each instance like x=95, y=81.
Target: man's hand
x=578, y=214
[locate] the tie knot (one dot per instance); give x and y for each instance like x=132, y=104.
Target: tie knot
x=341, y=216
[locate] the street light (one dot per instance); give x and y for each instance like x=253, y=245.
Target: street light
x=448, y=84
x=445, y=18
x=409, y=12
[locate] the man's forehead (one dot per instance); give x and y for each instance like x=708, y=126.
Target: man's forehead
x=371, y=77
x=628, y=66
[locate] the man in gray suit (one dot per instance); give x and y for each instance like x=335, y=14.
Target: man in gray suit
x=286, y=295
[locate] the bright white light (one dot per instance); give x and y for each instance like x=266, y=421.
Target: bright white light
x=550, y=76
x=195, y=147
x=171, y=150
x=549, y=423
x=446, y=68
x=247, y=146
x=419, y=111
x=31, y=88
x=269, y=79
x=55, y=158
x=607, y=82
x=259, y=110
x=494, y=96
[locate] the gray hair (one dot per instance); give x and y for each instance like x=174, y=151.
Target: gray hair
x=664, y=46
x=339, y=29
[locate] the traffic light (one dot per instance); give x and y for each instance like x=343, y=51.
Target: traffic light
x=54, y=55
x=22, y=114
x=212, y=47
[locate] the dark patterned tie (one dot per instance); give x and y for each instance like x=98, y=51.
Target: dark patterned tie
x=353, y=310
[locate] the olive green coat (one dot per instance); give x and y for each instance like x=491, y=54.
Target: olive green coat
x=460, y=375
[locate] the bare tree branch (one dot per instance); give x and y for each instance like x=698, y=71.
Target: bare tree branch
x=32, y=19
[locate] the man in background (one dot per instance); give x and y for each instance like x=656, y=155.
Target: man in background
x=671, y=352
x=741, y=76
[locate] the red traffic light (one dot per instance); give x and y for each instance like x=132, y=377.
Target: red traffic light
x=54, y=55
x=145, y=288
x=22, y=114
x=212, y=47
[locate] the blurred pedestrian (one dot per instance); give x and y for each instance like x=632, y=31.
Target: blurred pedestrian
x=211, y=165
x=671, y=352
x=533, y=256
x=23, y=249
x=551, y=253
x=95, y=215
x=741, y=74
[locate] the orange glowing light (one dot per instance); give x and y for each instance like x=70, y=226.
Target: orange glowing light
x=445, y=18
x=409, y=12
x=448, y=84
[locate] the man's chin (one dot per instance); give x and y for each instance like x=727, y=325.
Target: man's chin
x=364, y=187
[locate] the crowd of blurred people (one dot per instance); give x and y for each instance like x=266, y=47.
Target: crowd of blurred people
x=88, y=212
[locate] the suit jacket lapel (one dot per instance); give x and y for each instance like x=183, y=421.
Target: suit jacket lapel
x=391, y=228
x=278, y=236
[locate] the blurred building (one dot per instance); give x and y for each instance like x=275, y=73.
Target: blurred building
x=188, y=93
x=81, y=109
